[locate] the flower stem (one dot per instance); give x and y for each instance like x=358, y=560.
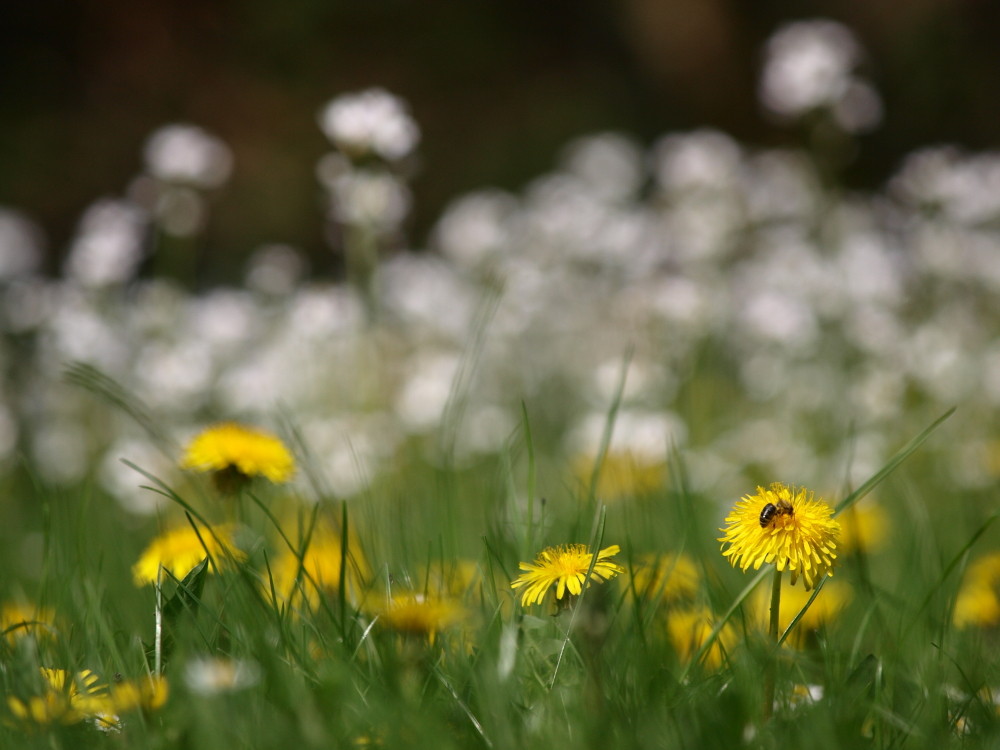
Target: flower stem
x=769, y=673
x=158, y=632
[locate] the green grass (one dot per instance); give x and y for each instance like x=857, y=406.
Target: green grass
x=893, y=670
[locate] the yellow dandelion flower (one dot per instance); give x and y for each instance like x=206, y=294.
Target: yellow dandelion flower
x=316, y=571
x=978, y=602
x=786, y=527
x=235, y=453
x=453, y=578
x=181, y=550
x=669, y=576
x=145, y=694
x=863, y=526
x=832, y=599
x=564, y=567
x=421, y=615
x=65, y=697
x=623, y=474
x=689, y=629
x=18, y=620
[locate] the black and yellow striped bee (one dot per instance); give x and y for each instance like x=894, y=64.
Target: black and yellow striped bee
x=767, y=514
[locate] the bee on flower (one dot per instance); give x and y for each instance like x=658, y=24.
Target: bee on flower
x=784, y=526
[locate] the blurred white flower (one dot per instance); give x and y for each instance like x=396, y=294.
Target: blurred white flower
x=371, y=121
x=427, y=294
x=187, y=154
x=424, y=394
x=212, y=675
x=370, y=198
x=701, y=160
x=109, y=245
x=810, y=64
x=275, y=269
x=476, y=228
x=644, y=434
x=21, y=244
x=610, y=164
x=124, y=482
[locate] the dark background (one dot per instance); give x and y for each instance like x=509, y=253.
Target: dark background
x=497, y=87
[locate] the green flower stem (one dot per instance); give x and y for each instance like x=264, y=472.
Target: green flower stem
x=772, y=631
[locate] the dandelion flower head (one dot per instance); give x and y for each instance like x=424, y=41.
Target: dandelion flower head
x=315, y=570
x=247, y=451
x=18, y=619
x=978, y=601
x=420, y=614
x=180, y=550
x=564, y=567
x=65, y=698
x=802, y=538
x=670, y=576
x=689, y=630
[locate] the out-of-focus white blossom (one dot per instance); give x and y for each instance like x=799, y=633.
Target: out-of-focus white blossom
x=371, y=198
x=811, y=64
x=475, y=229
x=609, y=163
x=109, y=245
x=213, y=675
x=21, y=244
x=428, y=385
x=187, y=154
x=275, y=269
x=371, y=121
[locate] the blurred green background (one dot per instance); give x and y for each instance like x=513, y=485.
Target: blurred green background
x=497, y=88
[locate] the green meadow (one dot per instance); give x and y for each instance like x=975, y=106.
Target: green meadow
x=516, y=488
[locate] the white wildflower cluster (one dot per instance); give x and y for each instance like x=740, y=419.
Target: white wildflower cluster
x=812, y=65
x=374, y=135
x=763, y=317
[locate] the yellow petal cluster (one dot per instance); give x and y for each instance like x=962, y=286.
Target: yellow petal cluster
x=804, y=541
x=311, y=572
x=180, y=550
x=421, y=614
x=247, y=450
x=668, y=576
x=978, y=601
x=689, y=629
x=68, y=698
x=564, y=567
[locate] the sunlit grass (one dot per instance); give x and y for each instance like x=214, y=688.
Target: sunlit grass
x=422, y=642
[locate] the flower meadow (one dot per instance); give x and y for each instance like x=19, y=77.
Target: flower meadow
x=683, y=445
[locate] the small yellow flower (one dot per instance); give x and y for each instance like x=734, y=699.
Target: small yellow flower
x=623, y=474
x=564, y=567
x=65, y=698
x=863, y=526
x=667, y=576
x=798, y=533
x=180, y=550
x=689, y=629
x=978, y=602
x=235, y=453
x=316, y=571
x=18, y=620
x=145, y=694
x=421, y=615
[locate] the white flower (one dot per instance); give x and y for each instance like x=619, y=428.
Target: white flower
x=186, y=153
x=371, y=121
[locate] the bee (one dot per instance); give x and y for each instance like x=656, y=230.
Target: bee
x=767, y=514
